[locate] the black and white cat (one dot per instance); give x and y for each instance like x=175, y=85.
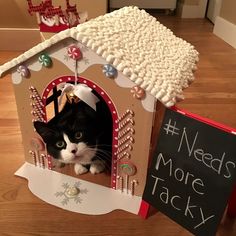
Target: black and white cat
x=79, y=135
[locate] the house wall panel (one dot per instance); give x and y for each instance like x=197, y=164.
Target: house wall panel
x=121, y=97
x=228, y=11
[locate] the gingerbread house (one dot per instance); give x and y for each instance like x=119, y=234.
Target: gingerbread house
x=135, y=64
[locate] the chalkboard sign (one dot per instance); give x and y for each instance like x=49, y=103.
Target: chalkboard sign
x=192, y=173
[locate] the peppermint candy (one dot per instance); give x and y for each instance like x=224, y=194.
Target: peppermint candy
x=45, y=60
x=109, y=71
x=128, y=168
x=23, y=71
x=138, y=92
x=74, y=52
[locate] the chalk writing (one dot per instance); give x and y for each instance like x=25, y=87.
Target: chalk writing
x=187, y=210
x=192, y=173
x=218, y=164
x=171, y=128
x=185, y=176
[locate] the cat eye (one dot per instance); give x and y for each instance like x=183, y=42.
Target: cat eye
x=78, y=135
x=60, y=144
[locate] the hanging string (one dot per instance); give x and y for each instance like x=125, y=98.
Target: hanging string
x=76, y=72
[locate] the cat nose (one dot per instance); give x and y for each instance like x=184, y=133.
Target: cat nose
x=73, y=151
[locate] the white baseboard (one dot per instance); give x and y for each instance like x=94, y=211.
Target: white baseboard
x=225, y=30
x=193, y=11
x=18, y=39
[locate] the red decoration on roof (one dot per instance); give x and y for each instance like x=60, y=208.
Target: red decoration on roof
x=54, y=19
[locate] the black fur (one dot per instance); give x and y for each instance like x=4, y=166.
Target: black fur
x=96, y=127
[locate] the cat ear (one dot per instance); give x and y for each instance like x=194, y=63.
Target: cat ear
x=44, y=130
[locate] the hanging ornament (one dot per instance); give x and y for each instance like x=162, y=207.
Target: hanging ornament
x=109, y=71
x=74, y=52
x=45, y=60
x=77, y=92
x=23, y=71
x=138, y=92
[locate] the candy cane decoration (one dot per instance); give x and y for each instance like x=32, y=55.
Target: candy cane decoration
x=123, y=155
x=128, y=112
x=37, y=100
x=37, y=105
x=33, y=155
x=49, y=162
x=123, y=124
x=120, y=150
x=127, y=139
x=38, y=146
x=125, y=135
x=35, y=95
x=42, y=158
x=38, y=115
x=120, y=182
x=133, y=184
x=125, y=132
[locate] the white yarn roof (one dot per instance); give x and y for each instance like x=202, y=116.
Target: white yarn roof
x=136, y=44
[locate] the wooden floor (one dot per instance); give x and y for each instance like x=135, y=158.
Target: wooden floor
x=212, y=95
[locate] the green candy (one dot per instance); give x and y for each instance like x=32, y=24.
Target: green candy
x=45, y=60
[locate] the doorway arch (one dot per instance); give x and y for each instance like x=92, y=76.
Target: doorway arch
x=46, y=99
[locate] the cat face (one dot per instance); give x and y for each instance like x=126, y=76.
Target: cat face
x=72, y=136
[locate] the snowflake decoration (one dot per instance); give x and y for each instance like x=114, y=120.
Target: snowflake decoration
x=83, y=48
x=68, y=196
x=86, y=61
x=66, y=58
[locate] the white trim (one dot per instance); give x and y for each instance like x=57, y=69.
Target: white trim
x=214, y=9
x=193, y=11
x=18, y=39
x=93, y=199
x=225, y=30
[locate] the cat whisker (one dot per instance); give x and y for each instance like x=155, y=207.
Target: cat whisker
x=106, y=155
x=100, y=150
x=105, y=152
x=100, y=145
x=106, y=165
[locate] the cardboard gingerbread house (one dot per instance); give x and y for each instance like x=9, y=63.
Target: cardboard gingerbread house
x=136, y=65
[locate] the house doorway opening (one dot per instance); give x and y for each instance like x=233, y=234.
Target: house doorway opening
x=105, y=106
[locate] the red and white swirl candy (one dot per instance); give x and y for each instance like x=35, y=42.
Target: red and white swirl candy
x=74, y=52
x=23, y=71
x=138, y=92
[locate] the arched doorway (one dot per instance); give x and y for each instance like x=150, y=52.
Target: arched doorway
x=51, y=94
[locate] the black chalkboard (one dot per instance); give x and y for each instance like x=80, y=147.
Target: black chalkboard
x=192, y=173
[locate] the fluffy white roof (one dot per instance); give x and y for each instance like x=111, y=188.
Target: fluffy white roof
x=134, y=42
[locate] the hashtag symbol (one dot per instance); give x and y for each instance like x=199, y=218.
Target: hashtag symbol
x=171, y=128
